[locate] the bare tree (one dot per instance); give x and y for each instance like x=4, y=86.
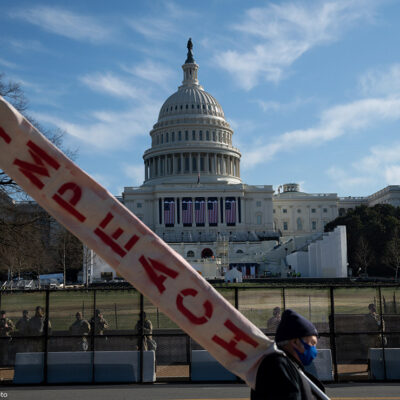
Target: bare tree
x=363, y=255
x=13, y=93
x=392, y=253
x=25, y=228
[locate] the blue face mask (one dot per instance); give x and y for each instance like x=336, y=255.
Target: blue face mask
x=310, y=352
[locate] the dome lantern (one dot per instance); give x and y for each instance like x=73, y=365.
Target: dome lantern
x=190, y=68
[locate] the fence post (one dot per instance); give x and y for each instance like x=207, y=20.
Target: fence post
x=332, y=335
x=284, y=299
x=93, y=333
x=141, y=337
x=46, y=334
x=381, y=332
x=237, y=298
x=189, y=355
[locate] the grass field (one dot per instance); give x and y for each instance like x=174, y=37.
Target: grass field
x=121, y=307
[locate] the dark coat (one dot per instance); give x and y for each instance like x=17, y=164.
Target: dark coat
x=278, y=378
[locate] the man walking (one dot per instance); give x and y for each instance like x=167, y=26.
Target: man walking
x=280, y=375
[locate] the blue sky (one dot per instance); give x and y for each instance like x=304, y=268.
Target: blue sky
x=311, y=88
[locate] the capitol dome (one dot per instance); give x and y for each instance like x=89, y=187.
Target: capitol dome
x=191, y=140
x=191, y=100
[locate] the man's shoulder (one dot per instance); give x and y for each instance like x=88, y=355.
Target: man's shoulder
x=274, y=360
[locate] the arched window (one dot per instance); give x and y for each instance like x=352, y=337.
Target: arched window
x=190, y=254
x=206, y=253
x=239, y=251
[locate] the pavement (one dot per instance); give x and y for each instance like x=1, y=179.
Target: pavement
x=185, y=391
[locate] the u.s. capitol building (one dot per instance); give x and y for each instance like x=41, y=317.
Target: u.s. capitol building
x=194, y=198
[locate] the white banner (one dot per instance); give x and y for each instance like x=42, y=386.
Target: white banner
x=130, y=247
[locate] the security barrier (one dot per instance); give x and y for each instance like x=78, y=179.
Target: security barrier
x=354, y=344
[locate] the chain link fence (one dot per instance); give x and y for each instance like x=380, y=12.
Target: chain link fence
x=93, y=321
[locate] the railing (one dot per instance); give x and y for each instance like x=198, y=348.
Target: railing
x=340, y=313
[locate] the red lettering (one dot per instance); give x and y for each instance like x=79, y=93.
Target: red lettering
x=39, y=157
x=231, y=345
x=158, y=280
x=109, y=240
x=69, y=205
x=117, y=233
x=4, y=135
x=188, y=314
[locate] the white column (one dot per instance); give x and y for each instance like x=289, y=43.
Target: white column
x=173, y=165
x=146, y=168
x=215, y=168
x=182, y=166
x=190, y=163
x=207, y=162
x=198, y=162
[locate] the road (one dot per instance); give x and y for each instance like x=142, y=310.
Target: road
x=170, y=391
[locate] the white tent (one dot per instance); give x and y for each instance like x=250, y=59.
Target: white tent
x=233, y=275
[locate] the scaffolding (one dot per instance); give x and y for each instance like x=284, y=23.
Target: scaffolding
x=222, y=248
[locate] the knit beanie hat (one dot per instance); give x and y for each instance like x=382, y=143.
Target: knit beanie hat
x=293, y=326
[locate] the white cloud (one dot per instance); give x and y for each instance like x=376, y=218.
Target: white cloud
x=381, y=165
x=284, y=32
x=109, y=130
x=21, y=46
x=109, y=83
x=153, y=28
x=275, y=106
x=392, y=174
x=65, y=23
x=8, y=64
x=135, y=173
x=346, y=180
x=381, y=81
x=334, y=122
x=164, y=27
x=151, y=71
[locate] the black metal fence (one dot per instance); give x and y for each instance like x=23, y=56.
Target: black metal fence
x=341, y=314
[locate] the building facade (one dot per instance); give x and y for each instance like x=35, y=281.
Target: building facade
x=193, y=196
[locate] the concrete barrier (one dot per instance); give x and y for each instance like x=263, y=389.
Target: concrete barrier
x=124, y=366
x=376, y=366
x=321, y=367
x=74, y=367
x=29, y=368
x=206, y=368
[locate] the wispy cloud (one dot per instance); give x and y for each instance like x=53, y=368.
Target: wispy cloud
x=135, y=173
x=153, y=28
x=276, y=106
x=109, y=130
x=380, y=166
x=334, y=122
x=151, y=71
x=64, y=22
x=274, y=37
x=381, y=81
x=163, y=24
x=111, y=84
x=8, y=64
x=27, y=45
